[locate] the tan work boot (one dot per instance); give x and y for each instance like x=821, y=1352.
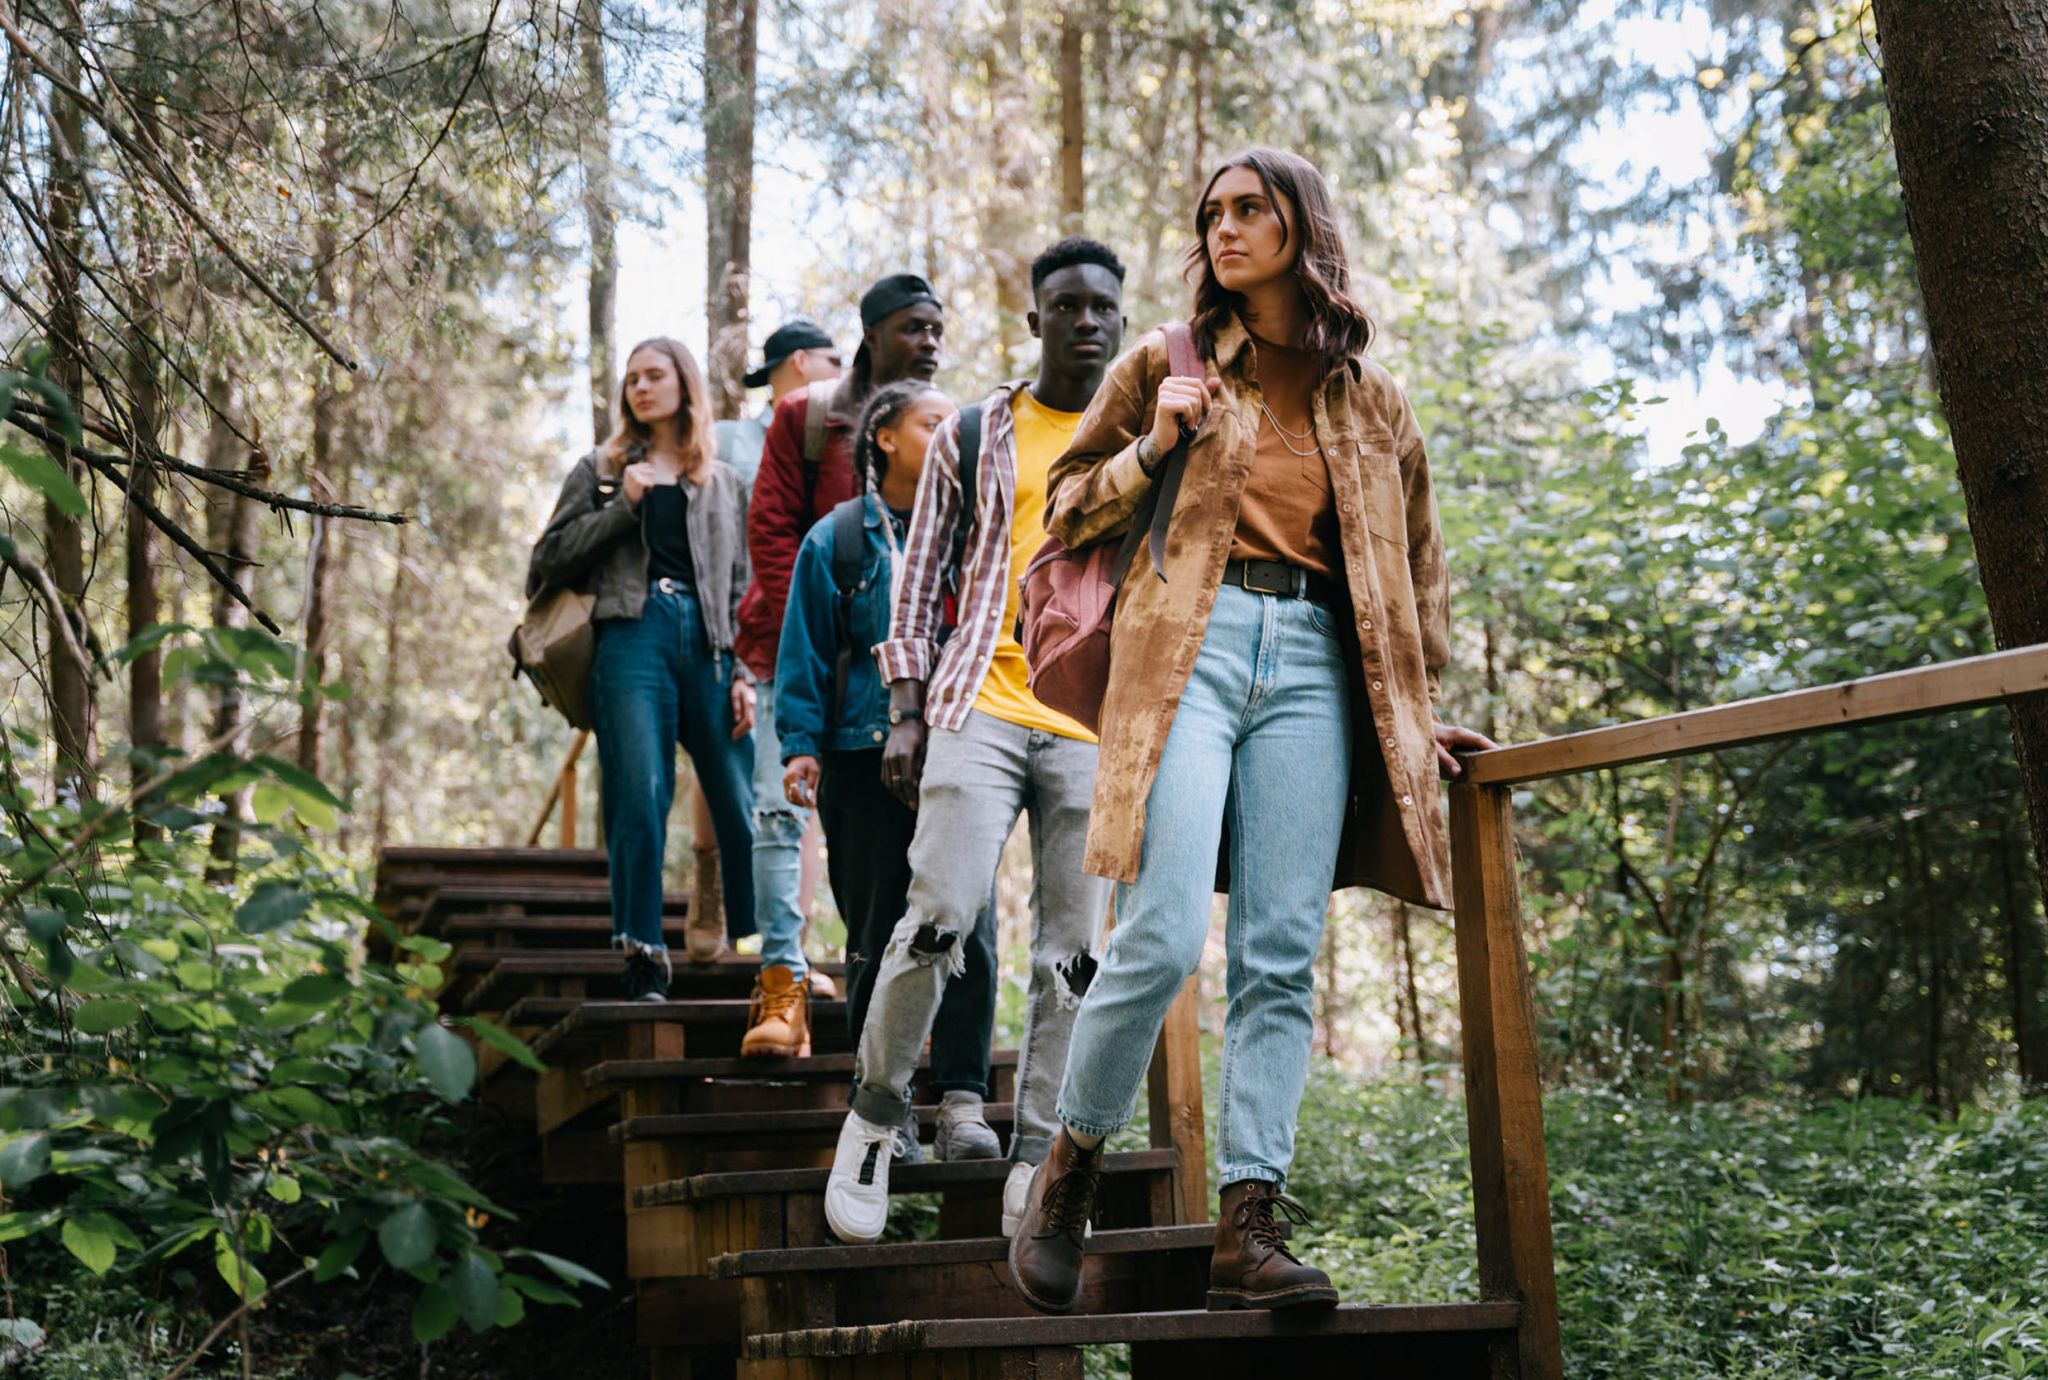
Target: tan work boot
x=1045, y=1252
x=704, y=930
x=1252, y=1267
x=779, y=1025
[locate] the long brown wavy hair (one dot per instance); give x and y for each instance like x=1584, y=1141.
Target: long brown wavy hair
x=1338, y=326
x=630, y=437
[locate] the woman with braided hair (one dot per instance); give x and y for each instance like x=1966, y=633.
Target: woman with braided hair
x=832, y=712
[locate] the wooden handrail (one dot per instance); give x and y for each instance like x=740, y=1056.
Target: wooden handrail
x=1967, y=684
x=562, y=792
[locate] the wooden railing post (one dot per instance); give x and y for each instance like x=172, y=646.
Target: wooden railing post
x=569, y=803
x=1503, y=1082
x=1174, y=1091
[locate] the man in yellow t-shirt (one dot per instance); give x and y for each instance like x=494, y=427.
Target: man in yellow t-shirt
x=972, y=748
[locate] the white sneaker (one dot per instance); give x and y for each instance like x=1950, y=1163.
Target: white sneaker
x=1016, y=1189
x=857, y=1193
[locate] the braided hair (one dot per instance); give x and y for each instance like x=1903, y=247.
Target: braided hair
x=884, y=408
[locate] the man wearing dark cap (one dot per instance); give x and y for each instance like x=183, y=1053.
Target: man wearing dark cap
x=796, y=354
x=806, y=471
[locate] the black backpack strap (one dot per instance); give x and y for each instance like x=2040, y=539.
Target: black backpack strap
x=849, y=552
x=968, y=469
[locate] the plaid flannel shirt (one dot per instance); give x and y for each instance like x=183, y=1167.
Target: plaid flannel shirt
x=954, y=673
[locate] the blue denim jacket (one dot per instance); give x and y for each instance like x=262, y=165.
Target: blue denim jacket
x=806, y=666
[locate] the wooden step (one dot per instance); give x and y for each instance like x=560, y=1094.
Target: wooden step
x=776, y=1130
x=1136, y=1270
x=424, y=912
x=784, y=1209
x=827, y=1068
x=1450, y=1339
x=416, y=869
x=550, y=930
x=498, y=977
x=709, y=1027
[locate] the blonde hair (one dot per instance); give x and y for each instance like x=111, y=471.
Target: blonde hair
x=630, y=437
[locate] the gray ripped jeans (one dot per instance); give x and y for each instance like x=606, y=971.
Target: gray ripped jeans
x=976, y=781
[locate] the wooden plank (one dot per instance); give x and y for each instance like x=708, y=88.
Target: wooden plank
x=1966, y=684
x=1174, y=1087
x=1503, y=1081
x=1104, y=1329
x=930, y=1177
x=767, y=1128
x=823, y=1067
x=905, y=1254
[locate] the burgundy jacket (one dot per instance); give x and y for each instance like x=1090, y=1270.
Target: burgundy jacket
x=784, y=508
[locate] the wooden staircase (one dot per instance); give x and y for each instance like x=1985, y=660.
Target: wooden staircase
x=721, y=1163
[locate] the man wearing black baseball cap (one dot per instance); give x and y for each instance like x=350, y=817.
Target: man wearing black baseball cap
x=806, y=471
x=797, y=353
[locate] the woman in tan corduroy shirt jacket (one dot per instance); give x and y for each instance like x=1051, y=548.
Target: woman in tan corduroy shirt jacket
x=1270, y=697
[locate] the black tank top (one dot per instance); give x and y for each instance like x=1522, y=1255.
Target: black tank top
x=665, y=520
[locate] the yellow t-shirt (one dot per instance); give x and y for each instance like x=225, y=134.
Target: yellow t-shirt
x=1042, y=437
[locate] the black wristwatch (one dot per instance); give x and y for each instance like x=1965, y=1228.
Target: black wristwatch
x=897, y=716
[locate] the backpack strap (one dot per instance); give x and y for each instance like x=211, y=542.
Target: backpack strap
x=818, y=400
x=849, y=550
x=1182, y=361
x=968, y=469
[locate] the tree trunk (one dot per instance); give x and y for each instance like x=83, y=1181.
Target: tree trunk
x=1967, y=86
x=145, y=412
x=320, y=476
x=231, y=530
x=1404, y=934
x=2020, y=982
x=1073, y=121
x=1326, y=986
x=600, y=219
x=729, y=44
x=71, y=703
x=1013, y=196
x=390, y=708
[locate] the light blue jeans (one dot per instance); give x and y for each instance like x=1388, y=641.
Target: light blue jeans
x=778, y=847
x=1261, y=741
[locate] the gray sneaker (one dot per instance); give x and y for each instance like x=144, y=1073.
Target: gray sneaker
x=964, y=1132
x=909, y=1150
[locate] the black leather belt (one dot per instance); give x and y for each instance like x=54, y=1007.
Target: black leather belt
x=1278, y=577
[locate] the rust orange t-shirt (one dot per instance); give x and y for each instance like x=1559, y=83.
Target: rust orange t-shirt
x=1288, y=513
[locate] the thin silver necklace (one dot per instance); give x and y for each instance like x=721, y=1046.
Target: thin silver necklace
x=1288, y=438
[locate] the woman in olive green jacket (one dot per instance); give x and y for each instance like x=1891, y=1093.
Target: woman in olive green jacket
x=1271, y=697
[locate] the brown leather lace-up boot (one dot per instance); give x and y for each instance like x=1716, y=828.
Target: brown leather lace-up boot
x=779, y=1023
x=1045, y=1253
x=1252, y=1267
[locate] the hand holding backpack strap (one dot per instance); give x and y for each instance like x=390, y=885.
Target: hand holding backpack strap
x=1155, y=511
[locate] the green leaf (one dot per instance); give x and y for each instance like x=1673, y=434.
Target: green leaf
x=298, y=780
x=284, y=1188
x=95, y=1249
x=307, y=1071
x=450, y=1064
x=538, y=1290
x=435, y=1314
x=16, y=1225
x=106, y=1014
x=315, y=989
x=149, y=638
x=475, y=1287
x=503, y=1040
x=23, y=1160
x=241, y=1275
x=408, y=1237
x=45, y=476
x=271, y=905
x=339, y=1256
x=511, y=1308
x=569, y=1270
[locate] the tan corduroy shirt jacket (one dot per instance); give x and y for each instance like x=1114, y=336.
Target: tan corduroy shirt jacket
x=1393, y=556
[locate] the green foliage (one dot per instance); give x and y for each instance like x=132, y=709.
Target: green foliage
x=192, y=1067
x=1859, y=1238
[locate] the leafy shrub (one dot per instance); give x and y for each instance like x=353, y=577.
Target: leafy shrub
x=209, y=1078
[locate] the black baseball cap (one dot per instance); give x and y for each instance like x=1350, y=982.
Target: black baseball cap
x=783, y=342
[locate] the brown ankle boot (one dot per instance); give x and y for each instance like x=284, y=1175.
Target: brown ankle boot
x=779, y=1025
x=704, y=928
x=1252, y=1267
x=1045, y=1252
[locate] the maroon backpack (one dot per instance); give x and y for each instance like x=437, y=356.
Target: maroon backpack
x=1069, y=596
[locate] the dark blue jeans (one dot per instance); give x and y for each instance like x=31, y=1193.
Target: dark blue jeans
x=655, y=682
